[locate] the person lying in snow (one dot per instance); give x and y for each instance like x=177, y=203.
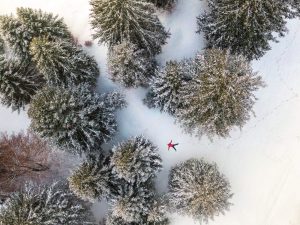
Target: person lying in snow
x=170, y=145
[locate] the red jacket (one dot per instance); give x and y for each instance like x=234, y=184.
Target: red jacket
x=170, y=145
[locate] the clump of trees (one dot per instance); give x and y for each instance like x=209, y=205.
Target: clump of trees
x=246, y=26
x=209, y=94
x=134, y=35
x=198, y=189
x=41, y=204
x=42, y=53
x=125, y=178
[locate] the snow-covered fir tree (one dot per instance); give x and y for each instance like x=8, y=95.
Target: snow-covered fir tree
x=246, y=26
x=164, y=4
x=220, y=95
x=30, y=23
x=63, y=63
x=15, y=34
x=93, y=179
x=114, y=100
x=41, y=24
x=133, y=20
x=2, y=46
x=166, y=85
x=136, y=203
x=198, y=189
x=129, y=65
x=136, y=159
x=19, y=81
x=131, y=203
x=45, y=205
x=157, y=212
x=75, y=119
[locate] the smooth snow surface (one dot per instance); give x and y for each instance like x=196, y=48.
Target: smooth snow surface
x=261, y=161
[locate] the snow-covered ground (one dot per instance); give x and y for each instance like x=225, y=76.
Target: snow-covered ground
x=261, y=161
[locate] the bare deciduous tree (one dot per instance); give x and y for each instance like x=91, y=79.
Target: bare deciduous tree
x=23, y=157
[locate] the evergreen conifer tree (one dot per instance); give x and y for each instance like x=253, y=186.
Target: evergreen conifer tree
x=63, y=63
x=166, y=85
x=30, y=23
x=93, y=179
x=45, y=205
x=198, y=189
x=133, y=20
x=136, y=159
x=129, y=65
x=131, y=204
x=164, y=4
x=41, y=24
x=220, y=94
x=2, y=47
x=246, y=26
x=75, y=119
x=15, y=34
x=19, y=81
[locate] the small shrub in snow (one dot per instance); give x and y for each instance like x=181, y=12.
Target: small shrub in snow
x=88, y=43
x=198, y=189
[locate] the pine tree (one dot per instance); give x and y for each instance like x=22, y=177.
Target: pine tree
x=136, y=203
x=15, y=34
x=41, y=24
x=30, y=23
x=75, y=119
x=164, y=4
x=2, y=47
x=166, y=85
x=93, y=179
x=129, y=65
x=246, y=26
x=19, y=81
x=220, y=94
x=131, y=203
x=63, y=63
x=157, y=213
x=44, y=205
x=198, y=189
x=136, y=159
x=117, y=20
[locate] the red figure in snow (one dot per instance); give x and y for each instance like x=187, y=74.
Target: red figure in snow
x=170, y=145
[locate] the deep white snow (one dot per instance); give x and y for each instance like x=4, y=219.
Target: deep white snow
x=261, y=161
